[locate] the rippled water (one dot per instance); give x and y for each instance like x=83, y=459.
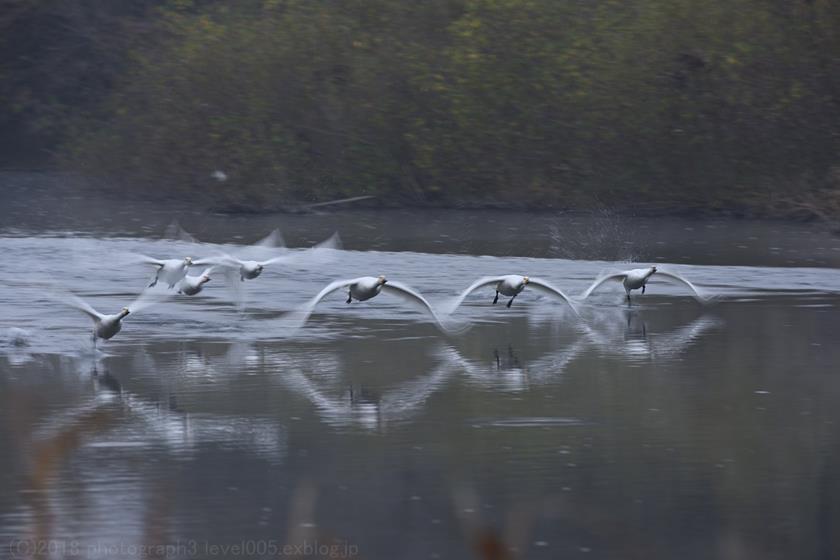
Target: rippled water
x=667, y=430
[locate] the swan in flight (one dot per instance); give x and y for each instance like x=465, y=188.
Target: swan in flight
x=191, y=285
x=638, y=278
x=367, y=287
x=172, y=271
x=105, y=326
x=511, y=285
x=250, y=269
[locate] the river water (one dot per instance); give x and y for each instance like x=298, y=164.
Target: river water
x=669, y=429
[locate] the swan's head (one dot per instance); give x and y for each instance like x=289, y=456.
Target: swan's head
x=652, y=269
x=188, y=261
x=124, y=311
x=382, y=280
x=204, y=279
x=525, y=279
x=259, y=268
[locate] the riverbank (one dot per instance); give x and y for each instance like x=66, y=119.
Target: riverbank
x=53, y=204
x=807, y=205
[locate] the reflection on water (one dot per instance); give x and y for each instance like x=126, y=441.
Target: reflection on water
x=633, y=342
x=665, y=430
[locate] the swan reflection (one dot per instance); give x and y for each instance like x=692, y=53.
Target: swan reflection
x=508, y=371
x=138, y=422
x=634, y=341
x=363, y=407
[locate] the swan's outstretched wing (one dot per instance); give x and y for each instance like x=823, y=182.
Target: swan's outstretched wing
x=297, y=318
x=697, y=294
x=545, y=288
x=317, y=254
x=595, y=285
x=175, y=232
x=149, y=260
x=76, y=303
x=271, y=241
x=480, y=283
x=411, y=296
x=147, y=298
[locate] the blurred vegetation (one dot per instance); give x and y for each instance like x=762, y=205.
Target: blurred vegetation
x=665, y=104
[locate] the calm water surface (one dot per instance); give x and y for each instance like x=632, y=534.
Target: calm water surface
x=667, y=430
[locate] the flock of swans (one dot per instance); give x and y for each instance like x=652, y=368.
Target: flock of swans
x=174, y=274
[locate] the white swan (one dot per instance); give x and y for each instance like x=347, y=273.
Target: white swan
x=250, y=269
x=105, y=326
x=367, y=287
x=511, y=285
x=638, y=278
x=191, y=285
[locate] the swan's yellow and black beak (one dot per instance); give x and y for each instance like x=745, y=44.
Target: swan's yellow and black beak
x=382, y=280
x=188, y=260
x=125, y=311
x=525, y=279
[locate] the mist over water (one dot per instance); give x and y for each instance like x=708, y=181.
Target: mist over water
x=668, y=429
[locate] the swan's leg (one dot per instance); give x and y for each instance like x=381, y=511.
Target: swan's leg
x=643, y=288
x=629, y=303
x=511, y=301
x=349, y=297
x=496, y=299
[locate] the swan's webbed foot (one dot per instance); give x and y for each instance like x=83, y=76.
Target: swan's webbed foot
x=496, y=299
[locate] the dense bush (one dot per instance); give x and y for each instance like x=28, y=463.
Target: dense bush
x=680, y=102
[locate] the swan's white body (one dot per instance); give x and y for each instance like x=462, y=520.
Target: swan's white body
x=170, y=271
x=104, y=326
x=367, y=287
x=511, y=285
x=362, y=289
x=638, y=278
x=191, y=285
x=250, y=269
